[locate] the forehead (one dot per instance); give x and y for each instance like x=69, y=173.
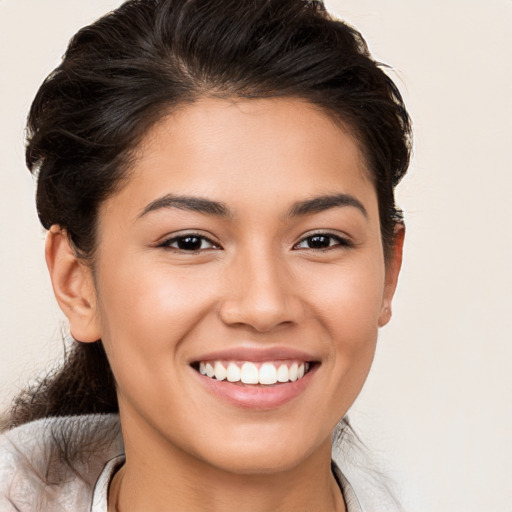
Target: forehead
x=245, y=153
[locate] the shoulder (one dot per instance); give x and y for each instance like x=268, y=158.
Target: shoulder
x=53, y=464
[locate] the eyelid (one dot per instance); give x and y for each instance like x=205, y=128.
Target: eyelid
x=167, y=240
x=343, y=240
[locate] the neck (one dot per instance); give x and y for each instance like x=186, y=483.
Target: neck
x=161, y=477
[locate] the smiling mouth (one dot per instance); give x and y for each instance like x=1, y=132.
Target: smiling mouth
x=265, y=373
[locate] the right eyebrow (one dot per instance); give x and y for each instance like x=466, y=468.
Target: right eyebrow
x=190, y=203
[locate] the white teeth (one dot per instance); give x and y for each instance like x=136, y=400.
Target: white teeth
x=209, y=370
x=283, y=375
x=220, y=371
x=249, y=374
x=293, y=371
x=233, y=373
x=268, y=374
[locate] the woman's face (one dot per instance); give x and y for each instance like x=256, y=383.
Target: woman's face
x=246, y=244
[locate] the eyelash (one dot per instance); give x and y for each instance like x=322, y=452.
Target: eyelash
x=338, y=240
x=167, y=244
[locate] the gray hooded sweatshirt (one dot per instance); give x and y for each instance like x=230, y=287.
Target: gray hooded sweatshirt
x=66, y=464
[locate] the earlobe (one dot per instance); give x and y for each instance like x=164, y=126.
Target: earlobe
x=73, y=286
x=392, y=272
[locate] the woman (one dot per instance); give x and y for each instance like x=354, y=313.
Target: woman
x=217, y=180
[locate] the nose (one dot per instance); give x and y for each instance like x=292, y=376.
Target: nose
x=260, y=294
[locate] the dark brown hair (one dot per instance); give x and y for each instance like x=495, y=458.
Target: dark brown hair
x=121, y=74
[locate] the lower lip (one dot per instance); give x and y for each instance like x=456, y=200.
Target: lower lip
x=257, y=396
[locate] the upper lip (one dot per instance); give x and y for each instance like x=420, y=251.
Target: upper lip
x=256, y=355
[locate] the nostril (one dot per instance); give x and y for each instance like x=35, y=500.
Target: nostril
x=260, y=318
x=260, y=295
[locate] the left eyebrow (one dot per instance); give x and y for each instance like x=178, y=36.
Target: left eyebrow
x=325, y=202
x=190, y=203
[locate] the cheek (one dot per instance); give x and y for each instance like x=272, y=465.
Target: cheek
x=348, y=306
x=145, y=315
x=348, y=298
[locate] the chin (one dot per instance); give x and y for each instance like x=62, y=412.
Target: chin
x=259, y=462
x=270, y=454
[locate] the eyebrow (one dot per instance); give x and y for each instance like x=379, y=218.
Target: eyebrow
x=209, y=207
x=321, y=203
x=194, y=204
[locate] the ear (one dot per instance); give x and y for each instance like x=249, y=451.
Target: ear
x=392, y=271
x=73, y=286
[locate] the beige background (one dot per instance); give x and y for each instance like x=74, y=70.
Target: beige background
x=437, y=410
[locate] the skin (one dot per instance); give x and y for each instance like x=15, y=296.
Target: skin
x=258, y=284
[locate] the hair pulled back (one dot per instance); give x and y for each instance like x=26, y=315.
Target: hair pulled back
x=138, y=63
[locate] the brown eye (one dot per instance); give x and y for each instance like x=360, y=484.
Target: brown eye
x=319, y=241
x=322, y=241
x=189, y=243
